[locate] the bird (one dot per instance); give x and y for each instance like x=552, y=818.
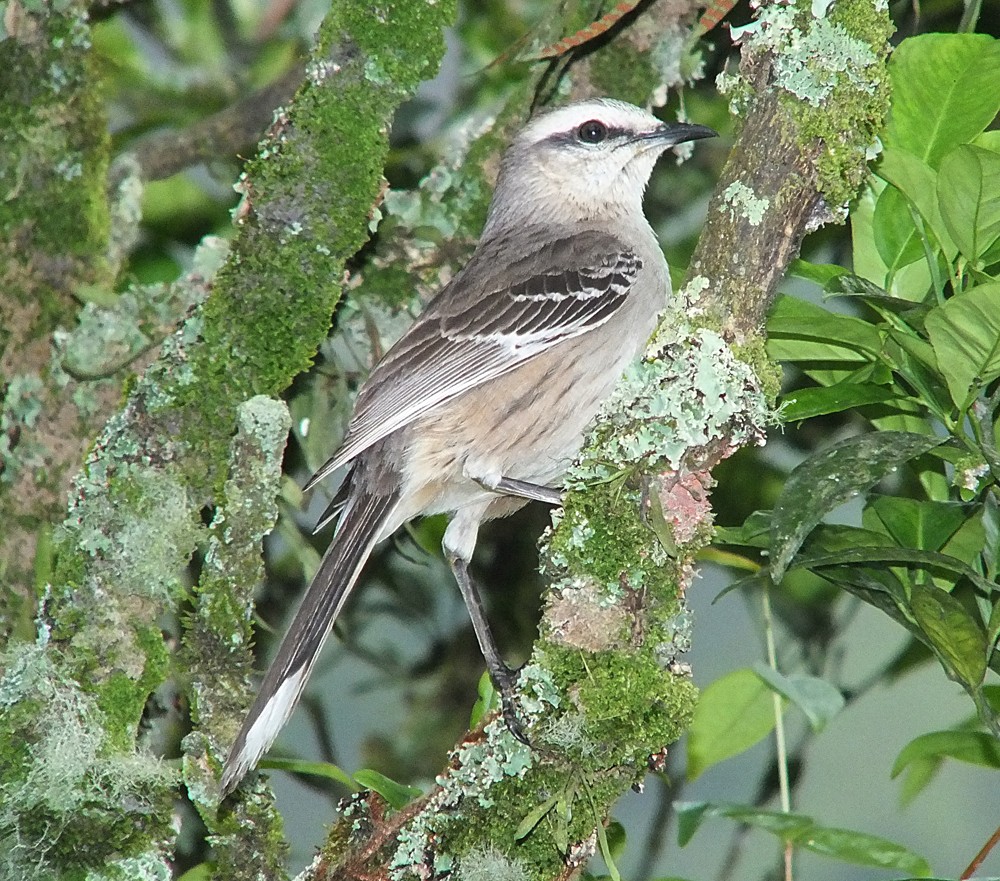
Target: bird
x=483, y=403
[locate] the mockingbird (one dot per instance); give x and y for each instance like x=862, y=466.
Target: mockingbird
x=484, y=401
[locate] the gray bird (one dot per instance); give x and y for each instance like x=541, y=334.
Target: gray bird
x=483, y=403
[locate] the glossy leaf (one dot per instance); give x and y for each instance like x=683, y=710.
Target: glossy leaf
x=817, y=698
x=822, y=274
x=993, y=627
x=850, y=285
x=916, y=180
x=969, y=193
x=691, y=814
x=818, y=401
x=896, y=237
x=792, y=317
x=831, y=477
x=396, y=794
x=972, y=747
x=801, y=831
x=315, y=769
x=956, y=637
x=918, y=524
x=864, y=850
x=893, y=556
x=733, y=713
x=965, y=334
x=918, y=777
x=945, y=91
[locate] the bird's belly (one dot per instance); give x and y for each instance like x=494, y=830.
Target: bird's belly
x=527, y=424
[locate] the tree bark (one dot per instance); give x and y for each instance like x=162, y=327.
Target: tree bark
x=191, y=446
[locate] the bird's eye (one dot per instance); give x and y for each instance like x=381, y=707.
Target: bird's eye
x=592, y=132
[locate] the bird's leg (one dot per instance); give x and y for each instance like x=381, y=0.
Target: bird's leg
x=503, y=677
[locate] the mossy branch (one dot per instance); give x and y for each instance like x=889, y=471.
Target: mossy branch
x=136, y=513
x=54, y=222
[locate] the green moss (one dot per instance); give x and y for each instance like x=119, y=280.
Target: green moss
x=68, y=798
x=121, y=704
x=832, y=72
x=122, y=698
x=631, y=703
x=591, y=541
x=753, y=353
x=623, y=71
x=55, y=146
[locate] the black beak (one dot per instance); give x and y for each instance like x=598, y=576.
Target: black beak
x=672, y=133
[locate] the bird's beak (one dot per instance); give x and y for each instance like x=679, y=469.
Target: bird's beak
x=672, y=133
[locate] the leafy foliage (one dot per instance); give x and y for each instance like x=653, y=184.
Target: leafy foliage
x=911, y=359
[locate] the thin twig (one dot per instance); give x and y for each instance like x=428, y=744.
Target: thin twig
x=978, y=860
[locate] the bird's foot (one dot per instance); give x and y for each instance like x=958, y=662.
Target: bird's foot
x=505, y=682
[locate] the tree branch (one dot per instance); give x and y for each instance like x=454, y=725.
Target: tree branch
x=162, y=464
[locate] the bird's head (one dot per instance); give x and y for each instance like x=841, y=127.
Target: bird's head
x=588, y=159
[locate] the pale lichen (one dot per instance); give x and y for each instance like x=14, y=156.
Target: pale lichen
x=809, y=59
x=476, y=769
x=682, y=396
x=61, y=769
x=487, y=863
x=741, y=200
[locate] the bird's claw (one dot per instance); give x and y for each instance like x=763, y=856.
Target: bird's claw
x=504, y=682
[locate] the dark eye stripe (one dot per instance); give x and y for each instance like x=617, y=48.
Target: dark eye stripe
x=615, y=133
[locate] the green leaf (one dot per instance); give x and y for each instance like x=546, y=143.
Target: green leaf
x=896, y=238
x=916, y=180
x=316, y=769
x=617, y=838
x=396, y=794
x=965, y=334
x=956, y=637
x=808, y=402
x=850, y=285
x=487, y=700
x=862, y=849
x=972, y=747
x=691, y=814
x=689, y=817
x=787, y=826
x=818, y=273
x=918, y=777
x=817, y=698
x=918, y=524
x=893, y=556
x=534, y=817
x=200, y=872
x=733, y=713
x=606, y=854
x=993, y=627
x=945, y=91
x=792, y=317
x=831, y=477
x=751, y=533
x=858, y=848
x=969, y=193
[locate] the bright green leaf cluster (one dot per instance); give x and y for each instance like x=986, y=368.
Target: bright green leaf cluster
x=919, y=360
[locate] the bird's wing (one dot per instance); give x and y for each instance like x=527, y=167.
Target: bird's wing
x=518, y=296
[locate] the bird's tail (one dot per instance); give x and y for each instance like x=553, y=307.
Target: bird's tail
x=360, y=527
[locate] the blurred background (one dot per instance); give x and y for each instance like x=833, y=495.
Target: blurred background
x=395, y=688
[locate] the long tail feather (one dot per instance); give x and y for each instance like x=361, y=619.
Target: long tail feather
x=360, y=528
